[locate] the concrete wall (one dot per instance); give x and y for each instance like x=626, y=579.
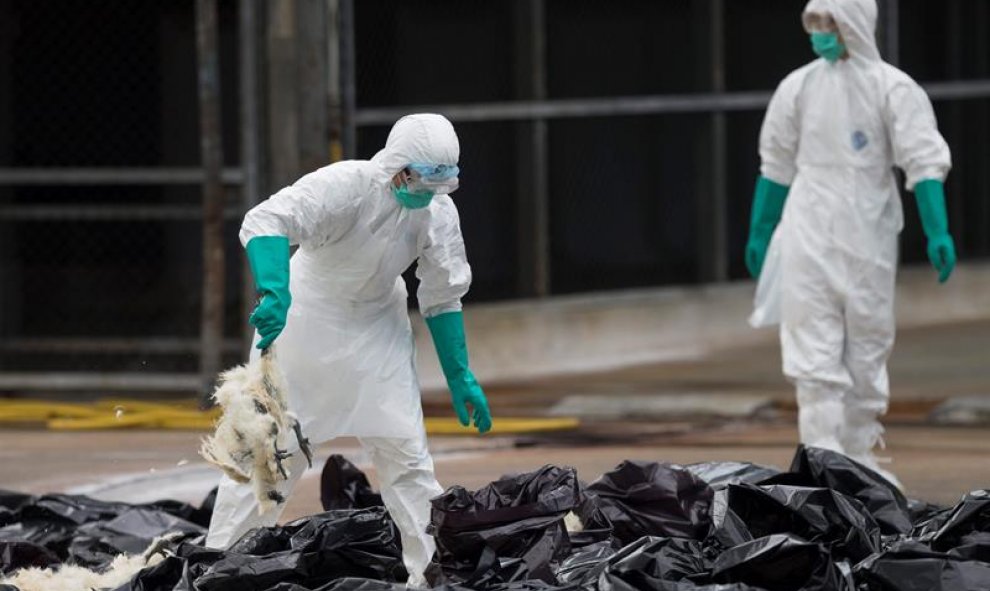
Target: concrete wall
x=563, y=335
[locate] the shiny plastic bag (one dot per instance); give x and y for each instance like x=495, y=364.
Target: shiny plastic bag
x=510, y=530
x=820, y=515
x=653, y=499
x=828, y=469
x=780, y=562
x=344, y=486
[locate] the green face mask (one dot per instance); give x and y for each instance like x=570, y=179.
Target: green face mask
x=411, y=200
x=827, y=45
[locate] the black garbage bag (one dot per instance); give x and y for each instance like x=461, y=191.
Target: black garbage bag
x=653, y=499
x=646, y=563
x=592, y=526
x=821, y=515
x=829, y=469
x=95, y=545
x=359, y=584
x=911, y=566
x=947, y=529
x=510, y=530
x=344, y=486
x=72, y=526
x=689, y=586
x=975, y=546
x=317, y=550
x=922, y=511
x=522, y=585
x=18, y=554
x=730, y=531
x=585, y=563
x=718, y=475
x=164, y=576
x=781, y=562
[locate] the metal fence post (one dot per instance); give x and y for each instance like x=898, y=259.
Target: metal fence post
x=348, y=80
x=250, y=142
x=533, y=194
x=211, y=326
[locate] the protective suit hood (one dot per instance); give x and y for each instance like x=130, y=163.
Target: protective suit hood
x=423, y=137
x=857, y=21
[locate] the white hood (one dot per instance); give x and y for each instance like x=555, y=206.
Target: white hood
x=857, y=20
x=424, y=137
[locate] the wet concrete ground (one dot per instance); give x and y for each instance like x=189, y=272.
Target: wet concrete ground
x=936, y=464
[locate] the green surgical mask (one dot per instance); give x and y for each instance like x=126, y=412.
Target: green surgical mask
x=827, y=45
x=411, y=200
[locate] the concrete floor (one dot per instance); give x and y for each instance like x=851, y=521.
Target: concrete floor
x=936, y=464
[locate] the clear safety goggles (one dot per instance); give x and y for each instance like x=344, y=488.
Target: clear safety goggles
x=819, y=22
x=439, y=179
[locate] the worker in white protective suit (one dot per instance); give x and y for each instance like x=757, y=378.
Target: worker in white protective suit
x=832, y=134
x=345, y=345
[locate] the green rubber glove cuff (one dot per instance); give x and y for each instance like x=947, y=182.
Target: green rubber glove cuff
x=768, y=207
x=447, y=331
x=268, y=257
x=930, y=195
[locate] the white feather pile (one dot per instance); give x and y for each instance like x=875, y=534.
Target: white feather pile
x=76, y=578
x=253, y=426
x=573, y=523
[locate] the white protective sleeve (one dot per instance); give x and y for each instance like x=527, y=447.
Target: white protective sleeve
x=316, y=209
x=443, y=271
x=780, y=132
x=919, y=149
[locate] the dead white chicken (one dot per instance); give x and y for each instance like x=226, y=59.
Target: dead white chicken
x=250, y=440
x=76, y=578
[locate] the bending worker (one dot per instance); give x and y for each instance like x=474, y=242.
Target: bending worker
x=345, y=343
x=832, y=133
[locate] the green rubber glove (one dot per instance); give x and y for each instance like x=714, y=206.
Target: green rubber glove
x=768, y=206
x=269, y=260
x=448, y=337
x=930, y=195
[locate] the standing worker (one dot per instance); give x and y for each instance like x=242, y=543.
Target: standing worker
x=832, y=133
x=345, y=344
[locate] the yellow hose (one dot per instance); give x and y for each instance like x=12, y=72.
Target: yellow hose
x=185, y=415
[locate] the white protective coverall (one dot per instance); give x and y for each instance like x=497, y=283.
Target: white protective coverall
x=832, y=133
x=347, y=349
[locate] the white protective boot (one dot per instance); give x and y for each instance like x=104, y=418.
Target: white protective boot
x=820, y=414
x=863, y=432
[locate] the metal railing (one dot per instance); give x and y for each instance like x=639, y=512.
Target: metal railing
x=211, y=175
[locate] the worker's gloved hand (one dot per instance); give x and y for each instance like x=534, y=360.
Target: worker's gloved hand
x=448, y=337
x=930, y=195
x=768, y=205
x=269, y=260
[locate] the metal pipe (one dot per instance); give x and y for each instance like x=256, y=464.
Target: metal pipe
x=114, y=176
x=718, y=267
x=100, y=382
x=627, y=106
x=116, y=346
x=348, y=82
x=554, y=109
x=110, y=213
x=541, y=156
x=891, y=31
x=211, y=320
x=250, y=142
x=248, y=56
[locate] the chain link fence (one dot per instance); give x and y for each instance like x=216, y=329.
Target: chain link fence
x=100, y=203
x=614, y=144
x=605, y=145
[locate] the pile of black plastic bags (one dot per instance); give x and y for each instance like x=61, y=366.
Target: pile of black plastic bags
x=827, y=524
